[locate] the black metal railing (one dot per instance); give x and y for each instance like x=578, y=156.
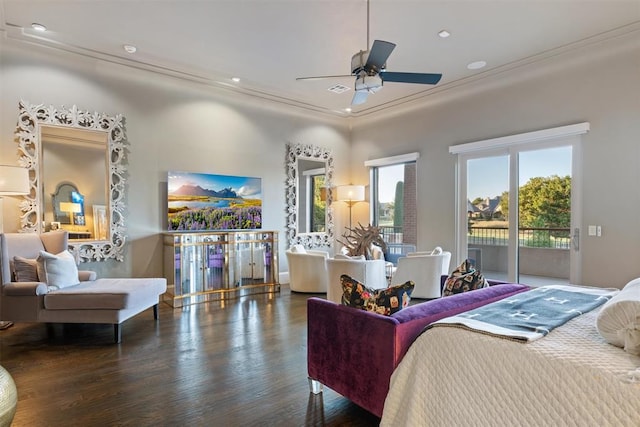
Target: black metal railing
x=535, y=237
x=391, y=234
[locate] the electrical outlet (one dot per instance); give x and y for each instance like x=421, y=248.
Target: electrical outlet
x=599, y=231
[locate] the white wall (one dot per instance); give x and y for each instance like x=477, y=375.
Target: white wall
x=174, y=124
x=601, y=89
x=171, y=124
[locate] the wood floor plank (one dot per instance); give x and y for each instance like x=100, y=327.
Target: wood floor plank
x=238, y=363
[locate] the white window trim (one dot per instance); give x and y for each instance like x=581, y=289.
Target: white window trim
x=393, y=160
x=521, y=138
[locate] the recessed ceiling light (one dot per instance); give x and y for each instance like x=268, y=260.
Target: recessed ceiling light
x=38, y=27
x=444, y=34
x=236, y=79
x=477, y=65
x=348, y=109
x=129, y=48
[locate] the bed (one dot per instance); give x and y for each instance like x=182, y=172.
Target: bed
x=456, y=377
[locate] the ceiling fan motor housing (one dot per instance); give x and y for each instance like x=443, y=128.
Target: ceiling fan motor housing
x=358, y=62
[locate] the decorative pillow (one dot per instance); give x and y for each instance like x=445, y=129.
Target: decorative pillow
x=464, y=278
x=618, y=321
x=381, y=301
x=58, y=270
x=298, y=249
x=25, y=270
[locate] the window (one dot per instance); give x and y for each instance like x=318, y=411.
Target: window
x=394, y=198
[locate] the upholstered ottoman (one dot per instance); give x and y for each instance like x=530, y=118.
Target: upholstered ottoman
x=343, y=342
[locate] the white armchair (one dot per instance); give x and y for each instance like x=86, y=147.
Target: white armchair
x=369, y=272
x=425, y=270
x=307, y=270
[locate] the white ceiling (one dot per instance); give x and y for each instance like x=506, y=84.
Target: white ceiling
x=270, y=43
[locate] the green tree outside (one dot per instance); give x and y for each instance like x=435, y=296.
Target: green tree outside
x=544, y=202
x=398, y=208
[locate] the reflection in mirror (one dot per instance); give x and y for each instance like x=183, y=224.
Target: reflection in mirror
x=312, y=194
x=77, y=177
x=62, y=204
x=309, y=214
x=70, y=156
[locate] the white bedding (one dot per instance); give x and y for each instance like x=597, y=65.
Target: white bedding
x=455, y=377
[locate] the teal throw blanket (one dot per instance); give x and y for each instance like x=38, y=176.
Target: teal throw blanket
x=530, y=315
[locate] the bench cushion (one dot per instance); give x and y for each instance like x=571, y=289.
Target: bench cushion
x=105, y=294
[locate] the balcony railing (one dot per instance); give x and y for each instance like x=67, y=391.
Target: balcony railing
x=534, y=237
x=391, y=234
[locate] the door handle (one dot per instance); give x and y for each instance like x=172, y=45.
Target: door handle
x=576, y=239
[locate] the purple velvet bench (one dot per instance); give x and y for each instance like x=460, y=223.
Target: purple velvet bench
x=354, y=352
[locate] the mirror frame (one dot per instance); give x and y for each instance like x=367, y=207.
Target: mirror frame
x=309, y=152
x=30, y=119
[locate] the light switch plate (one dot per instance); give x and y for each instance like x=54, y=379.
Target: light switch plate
x=592, y=230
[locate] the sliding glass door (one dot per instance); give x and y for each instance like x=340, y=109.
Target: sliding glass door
x=518, y=211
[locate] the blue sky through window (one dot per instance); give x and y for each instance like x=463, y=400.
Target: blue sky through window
x=489, y=176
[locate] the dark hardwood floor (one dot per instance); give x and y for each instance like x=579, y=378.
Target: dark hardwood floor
x=239, y=363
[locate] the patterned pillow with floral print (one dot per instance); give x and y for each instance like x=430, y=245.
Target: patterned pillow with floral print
x=382, y=301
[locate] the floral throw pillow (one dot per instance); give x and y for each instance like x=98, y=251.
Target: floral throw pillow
x=382, y=301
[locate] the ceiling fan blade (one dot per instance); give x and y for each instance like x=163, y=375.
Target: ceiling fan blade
x=420, y=78
x=359, y=97
x=324, y=77
x=378, y=55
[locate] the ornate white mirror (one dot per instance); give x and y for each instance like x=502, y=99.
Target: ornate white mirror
x=77, y=177
x=308, y=193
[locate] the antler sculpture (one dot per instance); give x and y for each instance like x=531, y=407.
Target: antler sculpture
x=359, y=240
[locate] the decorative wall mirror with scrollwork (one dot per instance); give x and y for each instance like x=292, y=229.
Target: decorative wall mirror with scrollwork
x=74, y=158
x=309, y=195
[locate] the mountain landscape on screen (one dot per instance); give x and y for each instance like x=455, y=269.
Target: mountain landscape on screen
x=207, y=202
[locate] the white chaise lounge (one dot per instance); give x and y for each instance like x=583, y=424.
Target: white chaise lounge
x=27, y=296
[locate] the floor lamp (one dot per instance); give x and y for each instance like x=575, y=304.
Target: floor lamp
x=350, y=194
x=14, y=181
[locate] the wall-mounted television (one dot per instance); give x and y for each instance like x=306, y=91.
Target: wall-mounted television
x=207, y=202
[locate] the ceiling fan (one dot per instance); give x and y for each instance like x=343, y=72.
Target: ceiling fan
x=369, y=69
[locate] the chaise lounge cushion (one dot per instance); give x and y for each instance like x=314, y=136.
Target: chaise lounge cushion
x=105, y=294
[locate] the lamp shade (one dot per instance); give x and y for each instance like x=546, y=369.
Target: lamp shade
x=14, y=180
x=350, y=193
x=70, y=207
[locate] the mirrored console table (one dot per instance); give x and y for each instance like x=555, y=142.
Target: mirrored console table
x=213, y=266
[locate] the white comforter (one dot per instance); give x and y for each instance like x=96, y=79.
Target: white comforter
x=455, y=377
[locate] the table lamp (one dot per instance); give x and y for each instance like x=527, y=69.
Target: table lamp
x=71, y=208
